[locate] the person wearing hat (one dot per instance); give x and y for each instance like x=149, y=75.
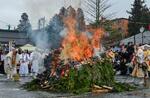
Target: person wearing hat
x=11, y=61
x=138, y=69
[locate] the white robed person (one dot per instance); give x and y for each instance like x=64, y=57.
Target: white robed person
x=10, y=63
x=24, y=61
x=37, y=62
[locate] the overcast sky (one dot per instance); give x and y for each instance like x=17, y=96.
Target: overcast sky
x=11, y=10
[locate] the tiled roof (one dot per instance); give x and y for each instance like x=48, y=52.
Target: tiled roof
x=138, y=37
x=5, y=30
x=8, y=35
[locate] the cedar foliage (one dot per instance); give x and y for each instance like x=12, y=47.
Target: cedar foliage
x=139, y=16
x=79, y=81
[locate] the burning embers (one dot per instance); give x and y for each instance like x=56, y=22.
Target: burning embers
x=77, y=45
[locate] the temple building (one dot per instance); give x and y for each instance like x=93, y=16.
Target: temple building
x=19, y=38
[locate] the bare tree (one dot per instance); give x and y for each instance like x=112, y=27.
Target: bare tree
x=95, y=10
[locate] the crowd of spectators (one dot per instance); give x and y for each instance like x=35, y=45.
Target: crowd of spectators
x=130, y=59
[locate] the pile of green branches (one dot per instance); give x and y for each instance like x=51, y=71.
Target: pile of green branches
x=79, y=80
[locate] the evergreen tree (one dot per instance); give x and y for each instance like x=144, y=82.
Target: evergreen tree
x=80, y=20
x=24, y=25
x=146, y=17
x=139, y=16
x=54, y=28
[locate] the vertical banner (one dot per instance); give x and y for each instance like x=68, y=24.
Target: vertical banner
x=10, y=45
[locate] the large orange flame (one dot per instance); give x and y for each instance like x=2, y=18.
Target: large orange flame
x=76, y=45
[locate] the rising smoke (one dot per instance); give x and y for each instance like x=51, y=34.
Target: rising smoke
x=54, y=32
x=46, y=8
x=40, y=38
x=54, y=28
x=51, y=37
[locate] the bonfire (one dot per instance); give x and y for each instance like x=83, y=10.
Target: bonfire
x=74, y=67
x=76, y=46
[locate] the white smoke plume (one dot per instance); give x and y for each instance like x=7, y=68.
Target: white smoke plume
x=46, y=8
x=63, y=33
x=40, y=38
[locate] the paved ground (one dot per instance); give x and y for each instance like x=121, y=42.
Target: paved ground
x=10, y=89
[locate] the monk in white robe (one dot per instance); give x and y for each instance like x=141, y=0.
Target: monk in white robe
x=24, y=61
x=35, y=63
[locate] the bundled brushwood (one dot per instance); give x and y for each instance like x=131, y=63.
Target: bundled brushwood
x=96, y=76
